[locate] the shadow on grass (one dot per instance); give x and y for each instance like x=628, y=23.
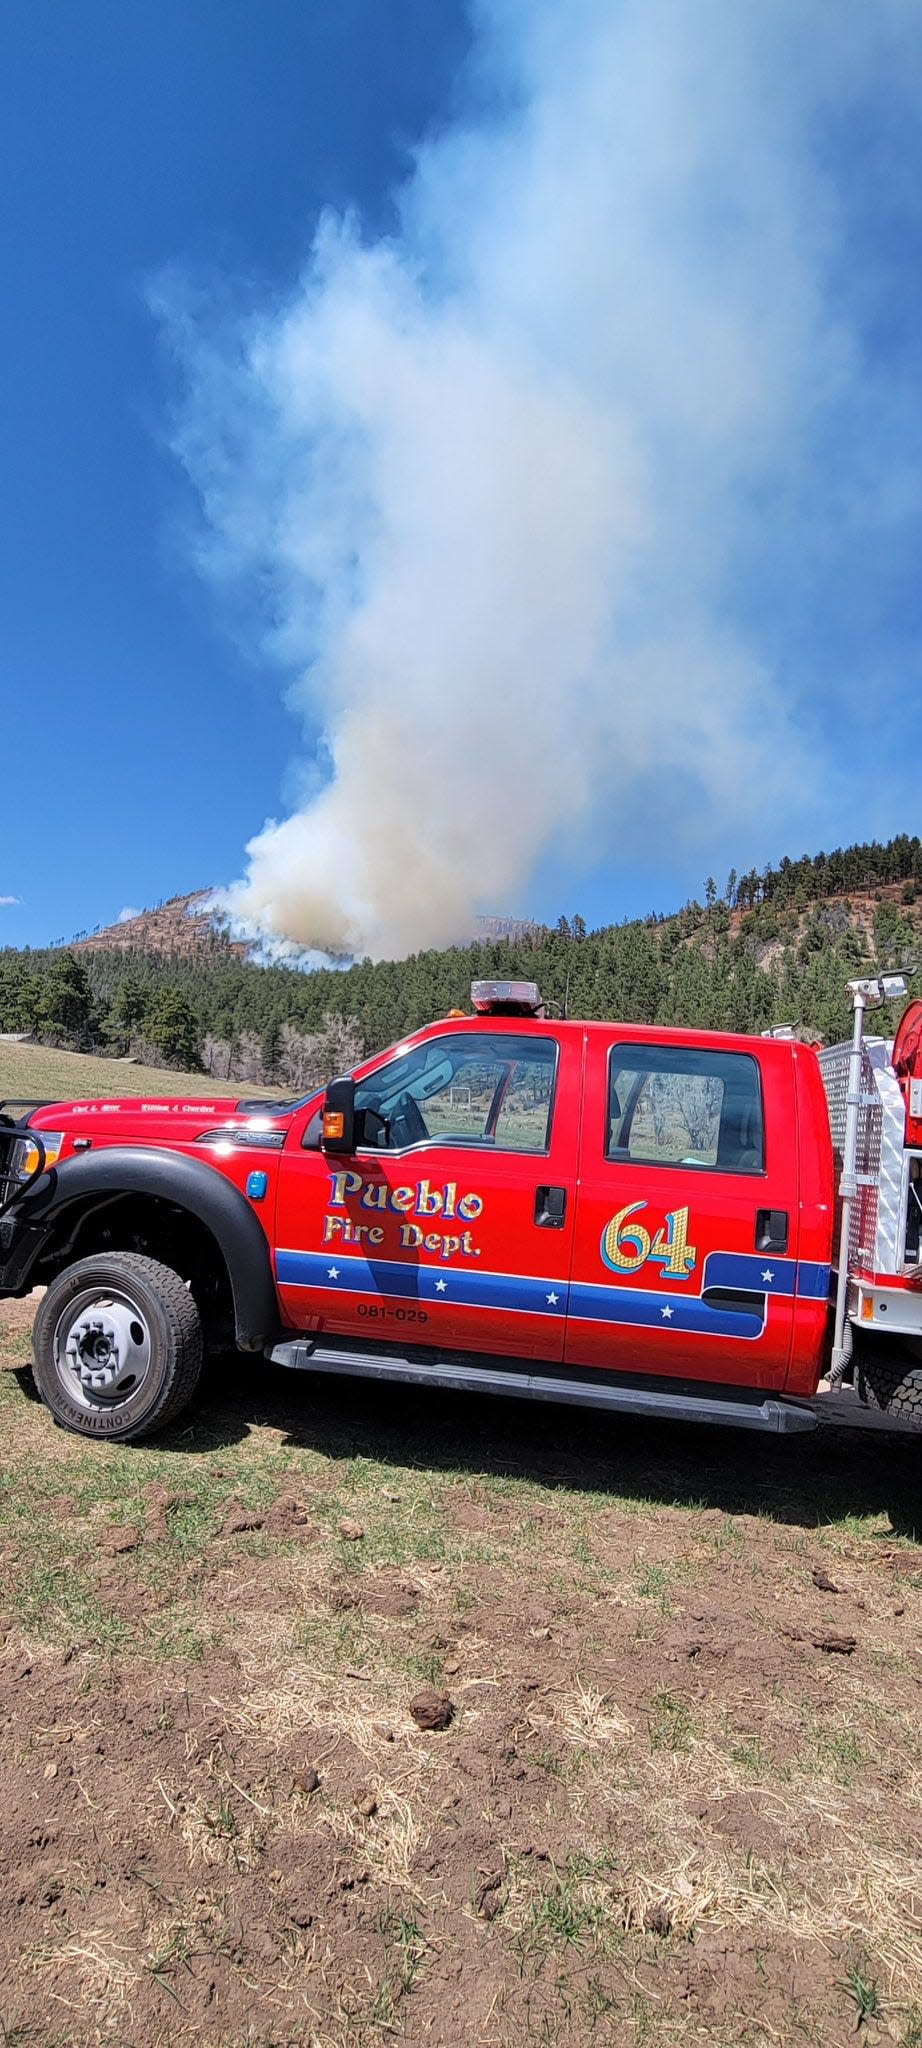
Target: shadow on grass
x=805, y=1481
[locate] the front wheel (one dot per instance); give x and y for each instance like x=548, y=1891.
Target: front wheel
x=888, y=1376
x=117, y=1346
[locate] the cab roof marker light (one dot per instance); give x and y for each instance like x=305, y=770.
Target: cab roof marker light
x=512, y=998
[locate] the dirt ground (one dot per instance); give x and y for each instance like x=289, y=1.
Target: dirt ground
x=678, y=1797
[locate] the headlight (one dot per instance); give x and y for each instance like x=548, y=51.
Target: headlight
x=27, y=1157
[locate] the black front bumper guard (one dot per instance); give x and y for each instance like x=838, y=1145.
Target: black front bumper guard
x=12, y=1129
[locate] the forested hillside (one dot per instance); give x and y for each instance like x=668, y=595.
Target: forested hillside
x=772, y=948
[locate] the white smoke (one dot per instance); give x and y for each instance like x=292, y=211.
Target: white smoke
x=485, y=478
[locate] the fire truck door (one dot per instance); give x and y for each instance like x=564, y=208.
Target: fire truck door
x=685, y=1259
x=453, y=1222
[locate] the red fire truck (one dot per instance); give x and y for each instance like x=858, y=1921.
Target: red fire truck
x=676, y=1223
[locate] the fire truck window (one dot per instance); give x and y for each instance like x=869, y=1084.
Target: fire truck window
x=492, y=1091
x=684, y=1107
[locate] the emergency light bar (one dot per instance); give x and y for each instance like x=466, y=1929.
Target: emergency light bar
x=507, y=999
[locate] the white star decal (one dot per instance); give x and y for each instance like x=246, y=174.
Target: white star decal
x=667, y=1315
x=552, y=1300
x=768, y=1274
x=332, y=1272
x=440, y=1286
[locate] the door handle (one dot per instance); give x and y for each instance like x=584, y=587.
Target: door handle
x=771, y=1230
x=550, y=1208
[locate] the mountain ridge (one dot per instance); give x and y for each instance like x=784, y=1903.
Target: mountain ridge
x=774, y=947
x=179, y=928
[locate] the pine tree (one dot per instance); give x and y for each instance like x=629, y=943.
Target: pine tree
x=170, y=1028
x=65, y=1002
x=271, y=1048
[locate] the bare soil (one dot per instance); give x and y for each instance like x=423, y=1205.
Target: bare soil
x=667, y=1805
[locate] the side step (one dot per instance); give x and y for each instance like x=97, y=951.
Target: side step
x=735, y=1407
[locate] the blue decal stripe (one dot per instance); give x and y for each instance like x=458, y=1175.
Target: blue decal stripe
x=345, y=1273
x=632, y=1305
x=761, y=1273
x=757, y=1274
x=338, y=1272
x=813, y=1280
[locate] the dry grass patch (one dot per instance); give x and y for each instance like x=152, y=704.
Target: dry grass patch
x=42, y=1073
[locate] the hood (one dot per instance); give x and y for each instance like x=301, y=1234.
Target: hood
x=163, y=1120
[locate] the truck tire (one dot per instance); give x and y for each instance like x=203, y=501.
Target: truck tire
x=117, y=1346
x=889, y=1377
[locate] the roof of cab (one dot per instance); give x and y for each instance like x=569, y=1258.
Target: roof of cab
x=613, y=1029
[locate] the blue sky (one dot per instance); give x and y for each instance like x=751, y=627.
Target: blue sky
x=484, y=442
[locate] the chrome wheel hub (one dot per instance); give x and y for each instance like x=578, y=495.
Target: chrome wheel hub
x=107, y=1348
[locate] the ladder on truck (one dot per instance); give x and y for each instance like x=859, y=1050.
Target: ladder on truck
x=879, y=1184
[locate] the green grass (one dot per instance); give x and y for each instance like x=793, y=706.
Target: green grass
x=839, y=1753
x=671, y=1723
x=58, y=1605
x=749, y=1757
x=54, y=1591
x=575, y=1909
x=41, y=1073
x=653, y=1584
x=405, y=1948
x=863, y=1990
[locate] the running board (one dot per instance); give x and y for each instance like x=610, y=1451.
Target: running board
x=733, y=1408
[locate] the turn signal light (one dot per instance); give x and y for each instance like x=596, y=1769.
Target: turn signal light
x=334, y=1123
x=26, y=1154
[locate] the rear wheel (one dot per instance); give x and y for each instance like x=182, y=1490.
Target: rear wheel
x=888, y=1376
x=117, y=1346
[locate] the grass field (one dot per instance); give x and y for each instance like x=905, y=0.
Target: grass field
x=39, y=1073
x=679, y=1799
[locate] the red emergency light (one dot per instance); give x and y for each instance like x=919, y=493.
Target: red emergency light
x=507, y=999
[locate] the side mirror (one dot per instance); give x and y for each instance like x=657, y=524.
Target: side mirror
x=337, y=1128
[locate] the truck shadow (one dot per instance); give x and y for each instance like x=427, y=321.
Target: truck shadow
x=807, y=1481
x=831, y=1476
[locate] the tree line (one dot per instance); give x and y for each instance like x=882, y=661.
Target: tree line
x=721, y=964
x=849, y=869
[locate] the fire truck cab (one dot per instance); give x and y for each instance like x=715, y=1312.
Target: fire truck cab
x=613, y=1215
x=613, y=1200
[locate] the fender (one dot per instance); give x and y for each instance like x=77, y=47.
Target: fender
x=171, y=1177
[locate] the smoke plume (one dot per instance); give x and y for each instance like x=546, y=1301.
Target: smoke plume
x=493, y=483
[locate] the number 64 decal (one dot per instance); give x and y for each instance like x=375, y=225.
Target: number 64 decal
x=627, y=1246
